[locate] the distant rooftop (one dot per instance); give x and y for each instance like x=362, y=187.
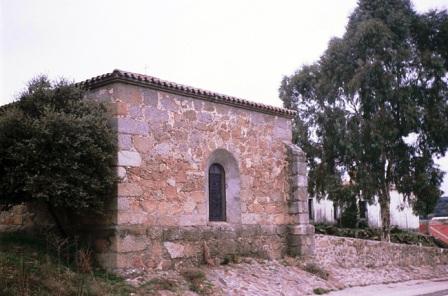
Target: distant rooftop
x=156, y=83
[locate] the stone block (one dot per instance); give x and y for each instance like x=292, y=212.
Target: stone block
x=175, y=250
x=128, y=243
x=192, y=219
x=123, y=203
x=162, y=148
x=294, y=168
x=128, y=93
x=299, y=194
x=294, y=240
x=205, y=117
x=251, y=218
x=135, y=112
x=129, y=158
x=302, y=181
x=118, y=108
x=301, y=229
x=302, y=245
x=150, y=97
x=293, y=207
x=133, y=217
x=293, y=251
x=300, y=218
x=302, y=168
x=282, y=133
x=155, y=115
x=131, y=126
x=129, y=189
x=143, y=144
x=124, y=142
x=299, y=181
x=307, y=246
x=121, y=173
x=303, y=206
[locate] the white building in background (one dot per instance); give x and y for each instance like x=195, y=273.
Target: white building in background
x=401, y=215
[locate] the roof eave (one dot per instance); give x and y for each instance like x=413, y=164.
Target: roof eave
x=118, y=76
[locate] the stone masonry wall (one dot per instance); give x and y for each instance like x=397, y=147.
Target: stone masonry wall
x=25, y=217
x=357, y=253
x=166, y=144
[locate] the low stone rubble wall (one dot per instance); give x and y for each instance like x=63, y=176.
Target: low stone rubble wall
x=164, y=248
x=358, y=253
x=25, y=217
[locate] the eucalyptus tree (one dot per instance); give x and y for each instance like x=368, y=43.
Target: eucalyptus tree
x=373, y=110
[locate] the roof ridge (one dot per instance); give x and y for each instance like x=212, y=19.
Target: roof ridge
x=143, y=79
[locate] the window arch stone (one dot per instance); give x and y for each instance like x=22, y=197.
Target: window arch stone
x=230, y=166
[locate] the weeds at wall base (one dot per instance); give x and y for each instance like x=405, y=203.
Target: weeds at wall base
x=40, y=266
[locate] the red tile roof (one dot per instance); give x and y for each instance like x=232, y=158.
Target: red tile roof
x=153, y=82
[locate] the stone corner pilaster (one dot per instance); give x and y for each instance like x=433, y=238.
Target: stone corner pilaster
x=300, y=231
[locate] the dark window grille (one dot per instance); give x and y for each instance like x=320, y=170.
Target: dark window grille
x=310, y=209
x=335, y=212
x=362, y=209
x=217, y=193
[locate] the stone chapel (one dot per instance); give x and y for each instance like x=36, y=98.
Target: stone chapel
x=198, y=169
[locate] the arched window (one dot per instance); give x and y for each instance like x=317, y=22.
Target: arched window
x=217, y=193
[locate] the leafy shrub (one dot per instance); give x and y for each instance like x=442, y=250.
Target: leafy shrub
x=56, y=148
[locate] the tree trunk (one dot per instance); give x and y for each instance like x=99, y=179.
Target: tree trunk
x=58, y=223
x=384, y=201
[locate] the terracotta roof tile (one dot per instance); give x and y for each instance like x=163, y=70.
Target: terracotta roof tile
x=149, y=81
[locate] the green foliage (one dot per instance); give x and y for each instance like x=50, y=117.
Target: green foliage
x=57, y=148
x=380, y=85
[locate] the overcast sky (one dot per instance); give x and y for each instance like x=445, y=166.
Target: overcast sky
x=236, y=47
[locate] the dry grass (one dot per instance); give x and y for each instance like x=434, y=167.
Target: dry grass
x=158, y=284
x=316, y=270
x=198, y=281
x=29, y=266
x=321, y=291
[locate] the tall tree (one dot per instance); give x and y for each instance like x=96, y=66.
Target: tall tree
x=373, y=111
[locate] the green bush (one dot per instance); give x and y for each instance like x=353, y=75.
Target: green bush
x=349, y=216
x=56, y=148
